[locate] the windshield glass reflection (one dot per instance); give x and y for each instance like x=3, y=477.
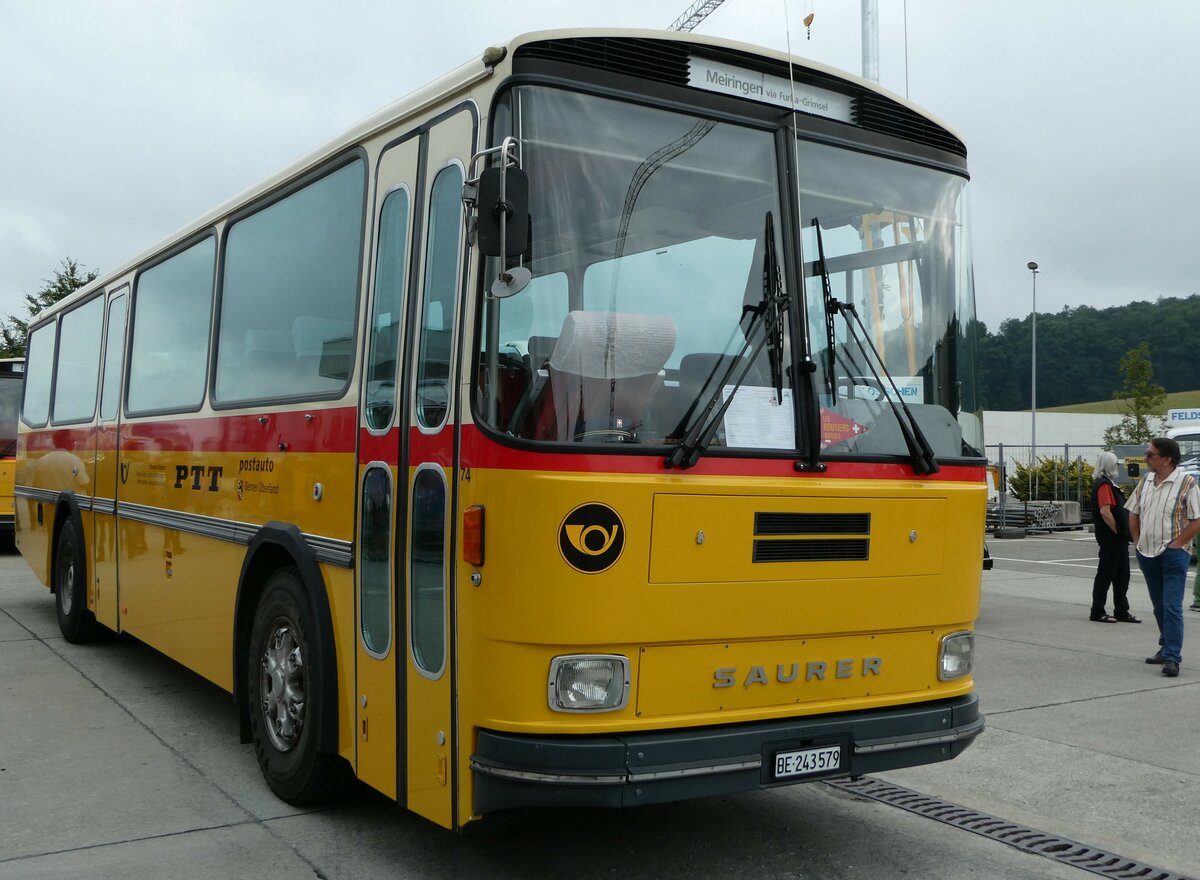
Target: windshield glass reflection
x=896, y=248
x=647, y=248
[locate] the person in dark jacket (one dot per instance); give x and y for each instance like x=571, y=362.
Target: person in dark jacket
x=1112, y=534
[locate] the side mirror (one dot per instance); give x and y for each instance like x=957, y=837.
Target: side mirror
x=1134, y=469
x=503, y=204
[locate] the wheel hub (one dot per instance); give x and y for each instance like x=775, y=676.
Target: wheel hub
x=66, y=588
x=282, y=684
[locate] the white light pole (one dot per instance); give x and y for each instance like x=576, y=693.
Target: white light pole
x=1033, y=269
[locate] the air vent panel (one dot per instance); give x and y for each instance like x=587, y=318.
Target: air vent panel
x=655, y=60
x=812, y=550
x=812, y=524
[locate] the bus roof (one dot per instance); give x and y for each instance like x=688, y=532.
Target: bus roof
x=440, y=89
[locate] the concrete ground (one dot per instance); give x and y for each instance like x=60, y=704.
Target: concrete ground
x=1084, y=738
x=116, y=762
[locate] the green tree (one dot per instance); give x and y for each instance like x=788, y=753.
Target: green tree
x=14, y=332
x=1140, y=400
x=1082, y=347
x=1052, y=480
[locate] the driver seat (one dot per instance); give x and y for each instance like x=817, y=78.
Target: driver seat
x=604, y=372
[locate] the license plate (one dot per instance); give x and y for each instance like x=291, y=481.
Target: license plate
x=806, y=761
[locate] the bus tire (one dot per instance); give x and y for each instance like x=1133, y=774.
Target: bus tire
x=285, y=672
x=76, y=622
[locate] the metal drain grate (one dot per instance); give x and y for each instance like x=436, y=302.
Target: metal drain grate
x=1089, y=858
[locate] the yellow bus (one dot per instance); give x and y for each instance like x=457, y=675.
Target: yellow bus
x=596, y=426
x=12, y=372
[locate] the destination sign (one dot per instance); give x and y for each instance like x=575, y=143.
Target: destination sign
x=767, y=88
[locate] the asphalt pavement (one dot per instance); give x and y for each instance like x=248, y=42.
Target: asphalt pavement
x=116, y=762
x=1084, y=738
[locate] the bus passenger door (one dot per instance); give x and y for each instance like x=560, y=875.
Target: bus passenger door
x=105, y=543
x=381, y=644
x=428, y=454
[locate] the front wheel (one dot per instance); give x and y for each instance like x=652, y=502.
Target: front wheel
x=286, y=675
x=76, y=622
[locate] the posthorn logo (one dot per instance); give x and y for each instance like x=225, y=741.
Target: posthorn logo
x=591, y=538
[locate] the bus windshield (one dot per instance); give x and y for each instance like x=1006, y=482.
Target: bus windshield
x=894, y=237
x=648, y=249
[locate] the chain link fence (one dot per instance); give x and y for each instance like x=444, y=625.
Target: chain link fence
x=1056, y=481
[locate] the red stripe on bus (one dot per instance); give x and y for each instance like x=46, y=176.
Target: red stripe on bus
x=378, y=447
x=480, y=451
x=433, y=448
x=328, y=430
x=333, y=430
x=72, y=439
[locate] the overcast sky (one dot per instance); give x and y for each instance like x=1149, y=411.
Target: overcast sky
x=125, y=119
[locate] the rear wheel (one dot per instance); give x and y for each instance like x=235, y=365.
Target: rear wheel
x=286, y=675
x=76, y=622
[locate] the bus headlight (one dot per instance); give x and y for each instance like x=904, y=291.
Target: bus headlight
x=956, y=655
x=589, y=683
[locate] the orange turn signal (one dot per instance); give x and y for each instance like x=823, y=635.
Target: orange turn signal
x=473, y=535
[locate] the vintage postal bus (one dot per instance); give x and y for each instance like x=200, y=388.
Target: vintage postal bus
x=597, y=425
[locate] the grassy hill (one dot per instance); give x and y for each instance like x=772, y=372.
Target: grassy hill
x=1178, y=400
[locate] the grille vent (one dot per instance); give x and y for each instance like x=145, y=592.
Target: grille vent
x=805, y=549
x=812, y=523
x=667, y=62
x=1061, y=849
x=657, y=60
x=876, y=113
x=812, y=550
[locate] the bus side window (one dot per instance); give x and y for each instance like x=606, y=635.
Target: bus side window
x=78, y=367
x=289, y=292
x=114, y=357
x=35, y=410
x=427, y=571
x=383, y=354
x=375, y=599
x=439, y=297
x=169, y=347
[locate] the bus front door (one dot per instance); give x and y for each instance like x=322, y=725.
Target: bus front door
x=428, y=455
x=406, y=734
x=381, y=643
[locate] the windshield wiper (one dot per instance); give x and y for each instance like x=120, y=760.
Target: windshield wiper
x=919, y=449
x=765, y=328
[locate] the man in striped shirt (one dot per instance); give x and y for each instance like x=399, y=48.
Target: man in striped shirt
x=1164, y=517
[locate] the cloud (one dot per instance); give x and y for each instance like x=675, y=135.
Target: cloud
x=22, y=232
x=129, y=118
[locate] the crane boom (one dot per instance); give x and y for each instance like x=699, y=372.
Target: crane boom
x=695, y=14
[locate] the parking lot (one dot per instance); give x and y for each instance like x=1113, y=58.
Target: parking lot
x=116, y=762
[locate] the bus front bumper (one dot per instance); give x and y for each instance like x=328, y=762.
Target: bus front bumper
x=517, y=771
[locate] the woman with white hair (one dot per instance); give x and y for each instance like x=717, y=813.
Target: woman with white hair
x=1111, y=525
